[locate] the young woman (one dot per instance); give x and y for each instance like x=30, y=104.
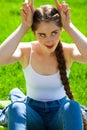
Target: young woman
x=46, y=64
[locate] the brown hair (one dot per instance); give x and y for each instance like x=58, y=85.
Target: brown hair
x=48, y=13
x=62, y=69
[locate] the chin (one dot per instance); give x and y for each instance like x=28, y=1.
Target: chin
x=49, y=51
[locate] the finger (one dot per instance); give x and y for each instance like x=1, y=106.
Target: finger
x=32, y=2
x=68, y=12
x=25, y=6
x=24, y=12
x=65, y=6
x=32, y=5
x=29, y=11
x=23, y=15
x=57, y=3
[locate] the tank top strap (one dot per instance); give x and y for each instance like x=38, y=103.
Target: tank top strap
x=30, y=55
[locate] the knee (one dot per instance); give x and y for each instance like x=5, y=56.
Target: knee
x=72, y=107
x=71, y=104
x=16, y=108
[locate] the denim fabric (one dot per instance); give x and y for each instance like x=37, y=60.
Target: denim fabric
x=4, y=117
x=30, y=114
x=14, y=95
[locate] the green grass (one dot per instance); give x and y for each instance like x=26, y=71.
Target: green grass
x=12, y=76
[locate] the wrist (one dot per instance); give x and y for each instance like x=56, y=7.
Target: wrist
x=68, y=27
x=25, y=27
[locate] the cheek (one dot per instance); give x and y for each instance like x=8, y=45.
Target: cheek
x=57, y=37
x=41, y=40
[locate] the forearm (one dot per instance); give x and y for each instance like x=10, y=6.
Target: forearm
x=79, y=39
x=8, y=47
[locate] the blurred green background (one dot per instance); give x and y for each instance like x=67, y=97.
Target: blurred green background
x=12, y=76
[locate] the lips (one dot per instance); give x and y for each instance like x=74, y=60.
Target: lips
x=50, y=46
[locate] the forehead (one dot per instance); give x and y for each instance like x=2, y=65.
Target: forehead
x=47, y=26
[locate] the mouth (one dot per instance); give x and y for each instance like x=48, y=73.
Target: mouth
x=49, y=46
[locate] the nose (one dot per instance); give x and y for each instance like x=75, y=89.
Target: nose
x=50, y=40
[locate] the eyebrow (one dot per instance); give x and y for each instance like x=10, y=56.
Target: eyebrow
x=51, y=32
x=55, y=30
x=41, y=33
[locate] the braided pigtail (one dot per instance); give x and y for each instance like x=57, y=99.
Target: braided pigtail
x=63, y=75
x=62, y=69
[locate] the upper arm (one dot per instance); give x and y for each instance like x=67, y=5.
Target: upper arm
x=72, y=54
x=22, y=53
x=14, y=57
x=76, y=55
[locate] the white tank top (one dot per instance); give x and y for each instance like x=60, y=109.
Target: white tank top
x=43, y=87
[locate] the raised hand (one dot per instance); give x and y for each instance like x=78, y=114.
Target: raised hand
x=64, y=10
x=27, y=13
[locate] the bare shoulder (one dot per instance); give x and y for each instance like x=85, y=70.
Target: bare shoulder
x=26, y=44
x=25, y=48
x=70, y=50
x=68, y=45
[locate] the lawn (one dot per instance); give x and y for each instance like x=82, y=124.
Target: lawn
x=12, y=76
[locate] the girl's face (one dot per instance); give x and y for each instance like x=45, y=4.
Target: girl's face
x=48, y=35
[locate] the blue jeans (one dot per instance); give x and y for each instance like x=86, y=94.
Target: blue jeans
x=30, y=114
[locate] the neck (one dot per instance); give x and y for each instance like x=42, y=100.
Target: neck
x=44, y=52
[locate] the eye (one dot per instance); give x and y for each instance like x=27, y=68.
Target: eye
x=54, y=33
x=42, y=35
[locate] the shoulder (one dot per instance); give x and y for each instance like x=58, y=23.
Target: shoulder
x=68, y=45
x=70, y=48
x=27, y=45
x=25, y=48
